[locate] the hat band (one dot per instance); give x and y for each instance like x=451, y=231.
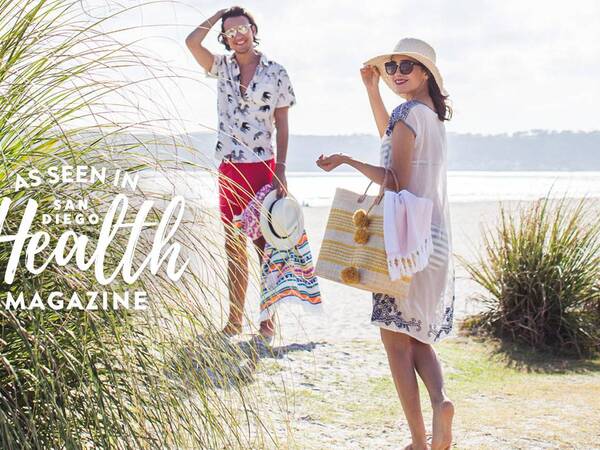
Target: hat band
x=271, y=225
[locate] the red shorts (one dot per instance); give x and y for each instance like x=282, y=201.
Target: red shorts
x=238, y=182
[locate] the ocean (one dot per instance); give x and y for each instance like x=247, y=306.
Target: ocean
x=318, y=189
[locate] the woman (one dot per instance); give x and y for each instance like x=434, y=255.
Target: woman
x=414, y=145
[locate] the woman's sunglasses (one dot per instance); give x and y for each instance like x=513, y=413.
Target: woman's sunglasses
x=243, y=29
x=406, y=66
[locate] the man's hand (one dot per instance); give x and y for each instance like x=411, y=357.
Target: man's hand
x=328, y=163
x=279, y=181
x=195, y=39
x=220, y=13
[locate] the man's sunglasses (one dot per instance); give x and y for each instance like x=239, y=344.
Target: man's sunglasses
x=243, y=29
x=406, y=66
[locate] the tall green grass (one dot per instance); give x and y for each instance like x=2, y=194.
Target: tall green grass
x=541, y=272
x=102, y=379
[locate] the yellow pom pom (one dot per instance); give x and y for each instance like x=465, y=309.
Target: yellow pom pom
x=360, y=218
x=361, y=236
x=350, y=275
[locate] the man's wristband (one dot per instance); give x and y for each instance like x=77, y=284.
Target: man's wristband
x=280, y=163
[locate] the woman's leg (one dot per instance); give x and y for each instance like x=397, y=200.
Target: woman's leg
x=399, y=350
x=430, y=370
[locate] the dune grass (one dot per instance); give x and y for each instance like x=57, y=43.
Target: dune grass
x=106, y=378
x=540, y=269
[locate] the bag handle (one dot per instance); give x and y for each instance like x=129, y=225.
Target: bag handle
x=378, y=198
x=381, y=188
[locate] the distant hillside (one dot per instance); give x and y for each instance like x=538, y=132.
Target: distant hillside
x=532, y=150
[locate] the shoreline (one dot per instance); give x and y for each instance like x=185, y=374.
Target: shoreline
x=315, y=189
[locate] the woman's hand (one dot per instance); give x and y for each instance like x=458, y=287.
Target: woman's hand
x=328, y=163
x=370, y=77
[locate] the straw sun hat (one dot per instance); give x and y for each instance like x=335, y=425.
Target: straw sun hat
x=413, y=48
x=281, y=221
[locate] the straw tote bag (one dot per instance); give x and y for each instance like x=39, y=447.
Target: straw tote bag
x=353, y=251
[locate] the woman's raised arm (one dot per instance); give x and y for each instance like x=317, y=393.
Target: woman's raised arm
x=370, y=77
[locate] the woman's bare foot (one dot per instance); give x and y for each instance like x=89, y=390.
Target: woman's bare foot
x=442, y=425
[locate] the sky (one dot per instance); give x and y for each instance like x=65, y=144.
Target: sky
x=509, y=66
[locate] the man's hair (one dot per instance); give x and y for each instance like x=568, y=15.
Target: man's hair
x=236, y=11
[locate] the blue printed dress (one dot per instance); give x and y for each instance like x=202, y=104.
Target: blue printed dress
x=427, y=313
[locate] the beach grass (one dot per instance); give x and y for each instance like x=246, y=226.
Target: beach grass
x=113, y=378
x=540, y=269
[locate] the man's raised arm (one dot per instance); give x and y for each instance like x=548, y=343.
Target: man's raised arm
x=194, y=41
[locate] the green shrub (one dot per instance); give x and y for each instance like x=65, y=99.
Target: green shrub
x=541, y=270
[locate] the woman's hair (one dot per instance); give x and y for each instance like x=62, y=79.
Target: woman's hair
x=236, y=11
x=443, y=110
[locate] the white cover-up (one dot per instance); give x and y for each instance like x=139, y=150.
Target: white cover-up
x=427, y=313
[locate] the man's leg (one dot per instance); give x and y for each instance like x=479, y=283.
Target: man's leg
x=267, y=327
x=237, y=274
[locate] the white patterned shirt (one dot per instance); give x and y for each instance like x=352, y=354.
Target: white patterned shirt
x=246, y=122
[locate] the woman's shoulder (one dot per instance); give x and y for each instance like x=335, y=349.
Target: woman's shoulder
x=415, y=114
x=403, y=113
x=403, y=109
x=416, y=106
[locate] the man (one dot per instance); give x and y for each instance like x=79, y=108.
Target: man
x=254, y=94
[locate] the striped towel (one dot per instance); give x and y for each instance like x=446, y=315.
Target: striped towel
x=288, y=276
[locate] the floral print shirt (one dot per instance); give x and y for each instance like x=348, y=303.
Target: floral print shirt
x=246, y=122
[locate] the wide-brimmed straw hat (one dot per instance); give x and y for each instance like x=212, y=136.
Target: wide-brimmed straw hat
x=413, y=48
x=281, y=221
